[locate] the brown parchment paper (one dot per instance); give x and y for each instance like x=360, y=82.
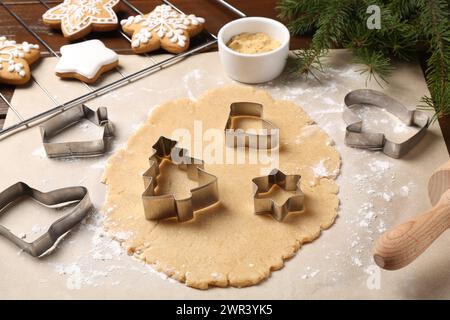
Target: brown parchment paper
x=376, y=192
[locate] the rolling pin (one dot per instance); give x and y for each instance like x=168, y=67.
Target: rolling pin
x=403, y=243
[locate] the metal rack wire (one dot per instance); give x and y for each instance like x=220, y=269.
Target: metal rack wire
x=92, y=93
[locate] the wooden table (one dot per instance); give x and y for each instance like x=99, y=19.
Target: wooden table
x=31, y=12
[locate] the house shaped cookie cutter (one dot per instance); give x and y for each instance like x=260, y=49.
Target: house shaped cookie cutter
x=268, y=139
x=158, y=207
x=289, y=183
x=58, y=123
x=57, y=228
x=356, y=138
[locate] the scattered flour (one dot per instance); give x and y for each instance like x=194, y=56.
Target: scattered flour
x=100, y=165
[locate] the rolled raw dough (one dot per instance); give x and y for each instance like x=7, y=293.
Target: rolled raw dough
x=227, y=245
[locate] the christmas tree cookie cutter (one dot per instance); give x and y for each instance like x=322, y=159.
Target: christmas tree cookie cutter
x=264, y=204
x=50, y=128
x=356, y=138
x=58, y=228
x=234, y=137
x=164, y=206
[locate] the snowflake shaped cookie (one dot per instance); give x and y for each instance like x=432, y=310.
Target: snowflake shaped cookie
x=77, y=18
x=15, y=59
x=86, y=61
x=164, y=28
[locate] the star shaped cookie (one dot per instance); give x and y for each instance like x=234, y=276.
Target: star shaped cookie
x=164, y=28
x=85, y=61
x=77, y=18
x=15, y=59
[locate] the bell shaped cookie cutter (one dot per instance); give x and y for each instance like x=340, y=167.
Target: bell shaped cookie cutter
x=58, y=123
x=269, y=137
x=289, y=183
x=356, y=138
x=57, y=228
x=158, y=207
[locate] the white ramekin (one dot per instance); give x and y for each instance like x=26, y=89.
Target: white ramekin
x=254, y=68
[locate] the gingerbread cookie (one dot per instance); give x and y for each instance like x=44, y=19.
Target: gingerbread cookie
x=77, y=18
x=15, y=60
x=162, y=28
x=85, y=61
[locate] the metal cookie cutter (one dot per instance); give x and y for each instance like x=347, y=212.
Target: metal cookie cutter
x=355, y=137
x=238, y=137
x=289, y=183
x=59, y=227
x=166, y=206
x=58, y=123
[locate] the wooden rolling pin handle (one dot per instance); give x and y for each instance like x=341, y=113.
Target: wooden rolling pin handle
x=399, y=246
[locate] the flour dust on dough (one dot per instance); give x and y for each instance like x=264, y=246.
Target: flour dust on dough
x=226, y=245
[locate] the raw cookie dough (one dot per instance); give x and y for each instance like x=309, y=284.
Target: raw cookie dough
x=227, y=245
x=252, y=43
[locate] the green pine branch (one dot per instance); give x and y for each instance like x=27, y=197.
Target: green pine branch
x=406, y=27
x=435, y=20
x=376, y=65
x=307, y=63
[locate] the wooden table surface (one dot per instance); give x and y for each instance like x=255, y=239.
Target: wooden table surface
x=216, y=16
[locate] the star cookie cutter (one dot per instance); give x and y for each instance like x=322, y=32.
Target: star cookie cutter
x=58, y=123
x=239, y=137
x=158, y=207
x=58, y=228
x=356, y=138
x=289, y=183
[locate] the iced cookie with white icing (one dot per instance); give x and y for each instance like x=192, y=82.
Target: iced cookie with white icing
x=15, y=60
x=164, y=28
x=77, y=18
x=86, y=61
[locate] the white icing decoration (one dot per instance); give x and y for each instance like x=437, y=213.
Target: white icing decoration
x=164, y=21
x=76, y=15
x=9, y=49
x=85, y=58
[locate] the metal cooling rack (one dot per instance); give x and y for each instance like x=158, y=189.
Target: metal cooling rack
x=92, y=93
